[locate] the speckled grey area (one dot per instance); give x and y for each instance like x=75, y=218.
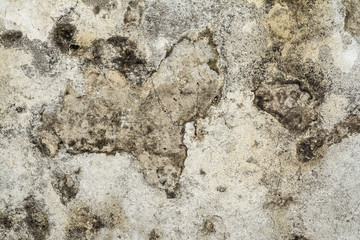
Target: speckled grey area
x=235, y=119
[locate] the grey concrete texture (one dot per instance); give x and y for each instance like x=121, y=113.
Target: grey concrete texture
x=159, y=119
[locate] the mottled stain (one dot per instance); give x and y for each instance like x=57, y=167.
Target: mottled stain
x=312, y=147
x=36, y=219
x=84, y=223
x=147, y=120
x=26, y=221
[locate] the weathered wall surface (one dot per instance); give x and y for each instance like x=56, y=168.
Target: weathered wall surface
x=180, y=119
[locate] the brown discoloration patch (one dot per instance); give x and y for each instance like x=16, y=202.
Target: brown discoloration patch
x=288, y=87
x=346, y=128
x=147, y=120
x=288, y=104
x=128, y=61
x=278, y=201
x=84, y=224
x=310, y=147
x=213, y=62
x=65, y=186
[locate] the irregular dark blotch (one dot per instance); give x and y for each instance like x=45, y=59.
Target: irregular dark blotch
x=307, y=148
x=83, y=224
x=96, y=224
x=5, y=222
x=36, y=219
x=65, y=186
x=208, y=227
x=352, y=17
x=20, y=109
x=128, y=61
x=11, y=38
x=40, y=146
x=173, y=193
x=154, y=235
x=119, y=41
x=277, y=201
x=213, y=62
x=63, y=36
x=346, y=128
x=128, y=17
x=96, y=10
x=298, y=237
x=287, y=103
x=221, y=189
x=77, y=233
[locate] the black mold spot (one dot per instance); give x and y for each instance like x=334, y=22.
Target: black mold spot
x=63, y=36
x=11, y=38
x=221, y=189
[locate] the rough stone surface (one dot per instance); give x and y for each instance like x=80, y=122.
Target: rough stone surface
x=179, y=119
